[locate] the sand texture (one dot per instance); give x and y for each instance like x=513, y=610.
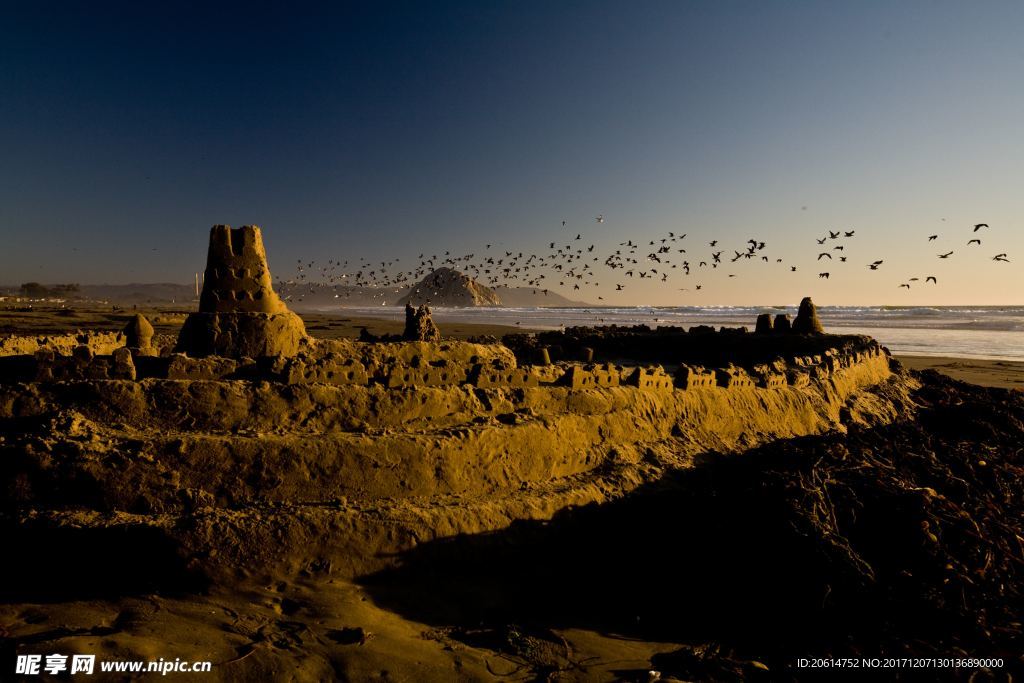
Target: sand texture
x=434, y=511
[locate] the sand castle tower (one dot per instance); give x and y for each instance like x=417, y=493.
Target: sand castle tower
x=807, y=321
x=239, y=315
x=419, y=325
x=138, y=336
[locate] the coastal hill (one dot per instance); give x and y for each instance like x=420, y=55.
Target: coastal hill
x=448, y=287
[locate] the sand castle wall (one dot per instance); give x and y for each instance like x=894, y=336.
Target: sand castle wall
x=99, y=343
x=293, y=471
x=329, y=439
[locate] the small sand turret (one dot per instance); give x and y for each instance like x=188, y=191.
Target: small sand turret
x=764, y=324
x=807, y=319
x=138, y=335
x=782, y=323
x=239, y=315
x=419, y=325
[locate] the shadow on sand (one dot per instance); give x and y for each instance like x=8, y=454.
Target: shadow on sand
x=839, y=545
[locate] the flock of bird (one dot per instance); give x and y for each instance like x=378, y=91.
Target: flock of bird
x=574, y=265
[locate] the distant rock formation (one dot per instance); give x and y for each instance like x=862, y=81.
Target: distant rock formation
x=807, y=319
x=448, y=287
x=239, y=315
x=419, y=326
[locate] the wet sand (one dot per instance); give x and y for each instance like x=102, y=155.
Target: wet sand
x=988, y=373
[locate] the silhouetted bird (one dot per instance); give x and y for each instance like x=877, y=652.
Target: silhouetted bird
x=979, y=226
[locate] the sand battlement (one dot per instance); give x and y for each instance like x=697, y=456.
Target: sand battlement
x=405, y=365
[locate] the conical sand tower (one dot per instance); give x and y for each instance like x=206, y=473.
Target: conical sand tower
x=239, y=315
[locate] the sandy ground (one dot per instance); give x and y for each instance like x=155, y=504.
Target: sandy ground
x=988, y=373
x=55, y=320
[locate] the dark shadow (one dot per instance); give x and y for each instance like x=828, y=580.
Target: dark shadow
x=819, y=545
x=53, y=564
x=700, y=555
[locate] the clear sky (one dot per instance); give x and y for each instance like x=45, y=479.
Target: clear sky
x=385, y=129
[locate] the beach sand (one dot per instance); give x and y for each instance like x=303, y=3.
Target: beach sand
x=988, y=373
x=54, y=320
x=561, y=579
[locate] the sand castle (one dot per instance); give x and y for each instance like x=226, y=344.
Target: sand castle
x=250, y=413
x=239, y=315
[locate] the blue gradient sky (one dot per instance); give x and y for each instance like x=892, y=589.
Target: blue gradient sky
x=389, y=129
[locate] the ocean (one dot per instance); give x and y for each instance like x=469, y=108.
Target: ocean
x=989, y=332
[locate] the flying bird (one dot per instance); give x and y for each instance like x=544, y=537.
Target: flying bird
x=932, y=238
x=824, y=253
x=599, y=218
x=946, y=255
x=931, y=278
x=973, y=242
x=979, y=226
